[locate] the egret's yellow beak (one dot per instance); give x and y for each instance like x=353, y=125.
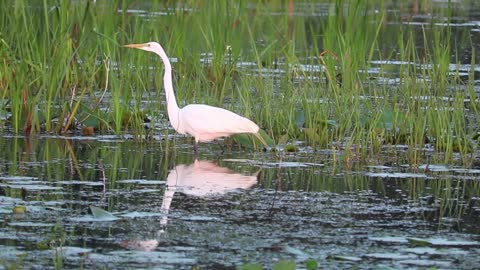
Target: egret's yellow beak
x=137, y=46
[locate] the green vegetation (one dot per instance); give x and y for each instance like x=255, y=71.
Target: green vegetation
x=300, y=75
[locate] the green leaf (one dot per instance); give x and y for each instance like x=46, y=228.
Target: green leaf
x=311, y=264
x=250, y=266
x=244, y=140
x=268, y=140
x=290, y=148
x=284, y=265
x=91, y=121
x=392, y=120
x=19, y=209
x=283, y=139
x=417, y=242
x=300, y=119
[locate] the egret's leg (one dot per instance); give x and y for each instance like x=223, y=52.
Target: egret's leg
x=222, y=146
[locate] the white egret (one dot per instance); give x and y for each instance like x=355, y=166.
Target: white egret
x=200, y=179
x=205, y=123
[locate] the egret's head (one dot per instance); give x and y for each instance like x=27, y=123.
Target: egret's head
x=149, y=46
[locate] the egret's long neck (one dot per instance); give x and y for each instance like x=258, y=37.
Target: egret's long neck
x=172, y=106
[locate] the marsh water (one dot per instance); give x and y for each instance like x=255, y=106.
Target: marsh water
x=116, y=202
x=167, y=209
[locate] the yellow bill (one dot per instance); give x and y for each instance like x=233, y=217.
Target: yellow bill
x=137, y=46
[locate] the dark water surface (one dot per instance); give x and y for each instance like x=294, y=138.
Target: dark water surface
x=167, y=210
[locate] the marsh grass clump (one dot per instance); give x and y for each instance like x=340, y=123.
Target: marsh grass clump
x=309, y=72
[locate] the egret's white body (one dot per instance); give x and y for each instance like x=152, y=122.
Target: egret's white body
x=200, y=179
x=203, y=179
x=205, y=123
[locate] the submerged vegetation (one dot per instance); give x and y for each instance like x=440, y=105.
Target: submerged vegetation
x=347, y=75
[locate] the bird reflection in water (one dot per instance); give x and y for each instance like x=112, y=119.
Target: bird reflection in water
x=200, y=179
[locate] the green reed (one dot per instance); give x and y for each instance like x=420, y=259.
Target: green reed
x=63, y=65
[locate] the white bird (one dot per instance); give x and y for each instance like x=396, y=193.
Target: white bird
x=205, y=123
x=203, y=179
x=200, y=179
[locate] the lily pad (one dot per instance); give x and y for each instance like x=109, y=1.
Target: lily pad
x=30, y=224
x=15, y=178
x=389, y=256
x=19, y=209
x=397, y=175
x=141, y=182
x=434, y=251
x=251, y=266
x=31, y=187
x=284, y=265
x=297, y=252
x=345, y=258
x=78, y=182
x=439, y=242
x=73, y=251
x=141, y=214
x=426, y=263
x=100, y=214
x=390, y=239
